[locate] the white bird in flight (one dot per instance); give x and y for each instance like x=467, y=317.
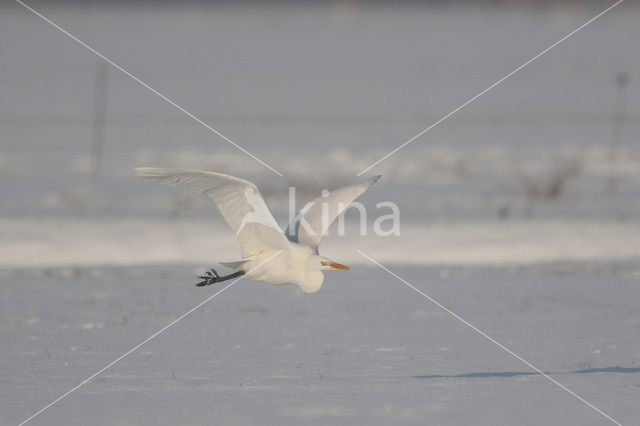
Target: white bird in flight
x=267, y=253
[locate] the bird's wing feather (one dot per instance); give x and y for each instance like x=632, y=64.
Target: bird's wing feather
x=239, y=201
x=312, y=213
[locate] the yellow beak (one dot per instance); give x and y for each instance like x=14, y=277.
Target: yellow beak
x=339, y=266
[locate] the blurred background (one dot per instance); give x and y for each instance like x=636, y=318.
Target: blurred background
x=521, y=211
x=319, y=90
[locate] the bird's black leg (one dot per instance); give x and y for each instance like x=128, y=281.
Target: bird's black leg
x=212, y=277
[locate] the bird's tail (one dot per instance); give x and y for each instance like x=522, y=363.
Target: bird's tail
x=236, y=266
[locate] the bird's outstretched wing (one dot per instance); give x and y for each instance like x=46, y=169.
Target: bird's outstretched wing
x=239, y=201
x=335, y=202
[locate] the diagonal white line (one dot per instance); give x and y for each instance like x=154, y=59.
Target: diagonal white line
x=492, y=340
x=163, y=329
x=128, y=74
x=490, y=87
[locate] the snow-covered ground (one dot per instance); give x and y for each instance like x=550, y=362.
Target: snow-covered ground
x=59, y=242
x=366, y=349
x=521, y=213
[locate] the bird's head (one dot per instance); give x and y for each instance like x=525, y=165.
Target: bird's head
x=319, y=263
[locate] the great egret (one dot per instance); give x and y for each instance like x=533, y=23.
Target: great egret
x=294, y=257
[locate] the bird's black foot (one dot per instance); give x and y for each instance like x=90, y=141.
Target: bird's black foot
x=210, y=277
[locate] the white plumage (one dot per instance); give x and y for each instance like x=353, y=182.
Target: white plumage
x=294, y=256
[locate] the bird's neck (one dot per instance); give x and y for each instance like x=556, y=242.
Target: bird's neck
x=313, y=282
